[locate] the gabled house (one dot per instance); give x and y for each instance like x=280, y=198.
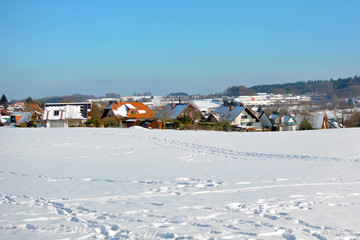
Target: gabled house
x=67, y=114
x=278, y=121
x=157, y=124
x=290, y=123
x=135, y=110
x=241, y=117
x=213, y=118
x=15, y=117
x=184, y=109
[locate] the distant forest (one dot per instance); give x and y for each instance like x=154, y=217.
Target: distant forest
x=341, y=88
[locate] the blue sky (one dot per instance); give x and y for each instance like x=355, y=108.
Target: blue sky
x=51, y=48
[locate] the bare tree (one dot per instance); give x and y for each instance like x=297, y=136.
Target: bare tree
x=163, y=112
x=98, y=109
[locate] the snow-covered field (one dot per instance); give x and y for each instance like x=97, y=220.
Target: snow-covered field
x=151, y=184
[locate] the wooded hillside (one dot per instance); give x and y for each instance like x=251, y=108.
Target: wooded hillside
x=343, y=87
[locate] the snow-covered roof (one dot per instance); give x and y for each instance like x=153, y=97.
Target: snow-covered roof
x=25, y=117
x=228, y=115
x=130, y=106
x=205, y=104
x=316, y=120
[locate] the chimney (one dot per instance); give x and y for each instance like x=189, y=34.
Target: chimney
x=231, y=107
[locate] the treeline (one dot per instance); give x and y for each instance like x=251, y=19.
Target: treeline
x=342, y=88
x=67, y=98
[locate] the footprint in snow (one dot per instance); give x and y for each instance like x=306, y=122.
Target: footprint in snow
x=158, y=204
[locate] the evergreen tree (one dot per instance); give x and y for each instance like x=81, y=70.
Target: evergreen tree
x=29, y=100
x=305, y=125
x=4, y=101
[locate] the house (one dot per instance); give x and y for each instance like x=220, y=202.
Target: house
x=16, y=107
x=32, y=115
x=4, y=119
x=278, y=121
x=213, y=118
x=157, y=124
x=15, y=116
x=332, y=123
x=241, y=117
x=316, y=120
x=67, y=114
x=136, y=110
x=290, y=123
x=176, y=111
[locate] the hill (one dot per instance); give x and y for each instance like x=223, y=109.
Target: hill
x=342, y=88
x=67, y=98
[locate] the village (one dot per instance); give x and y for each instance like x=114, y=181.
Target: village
x=260, y=112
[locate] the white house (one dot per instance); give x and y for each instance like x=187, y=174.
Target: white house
x=241, y=117
x=4, y=119
x=67, y=114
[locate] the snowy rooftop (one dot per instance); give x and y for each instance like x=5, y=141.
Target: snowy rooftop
x=228, y=115
x=205, y=104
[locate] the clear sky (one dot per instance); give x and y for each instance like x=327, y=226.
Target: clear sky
x=52, y=48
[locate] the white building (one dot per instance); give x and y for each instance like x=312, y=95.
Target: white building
x=67, y=114
x=241, y=117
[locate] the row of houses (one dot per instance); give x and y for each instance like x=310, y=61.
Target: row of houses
x=137, y=113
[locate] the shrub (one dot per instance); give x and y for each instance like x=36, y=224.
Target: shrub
x=93, y=123
x=177, y=124
x=111, y=121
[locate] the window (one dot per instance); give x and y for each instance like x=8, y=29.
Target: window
x=56, y=113
x=133, y=112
